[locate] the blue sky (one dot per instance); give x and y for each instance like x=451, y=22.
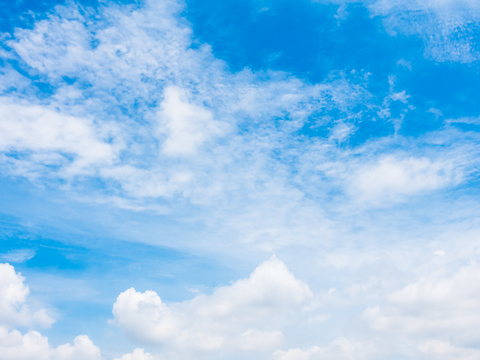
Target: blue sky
x=284, y=180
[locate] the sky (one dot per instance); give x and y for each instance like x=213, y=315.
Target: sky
x=239, y=179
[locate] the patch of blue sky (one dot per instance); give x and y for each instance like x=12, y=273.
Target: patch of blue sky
x=73, y=264
x=304, y=38
x=449, y=87
x=264, y=36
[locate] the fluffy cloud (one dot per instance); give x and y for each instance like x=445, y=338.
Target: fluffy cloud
x=340, y=349
x=14, y=345
x=40, y=136
x=138, y=354
x=13, y=296
x=82, y=349
x=34, y=346
x=242, y=315
x=438, y=306
x=444, y=350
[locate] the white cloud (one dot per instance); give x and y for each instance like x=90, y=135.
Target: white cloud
x=443, y=25
x=18, y=256
x=188, y=126
x=438, y=306
x=15, y=346
x=34, y=346
x=243, y=315
x=400, y=96
x=260, y=340
x=145, y=317
x=82, y=349
x=339, y=349
x=45, y=137
x=138, y=354
x=444, y=350
x=146, y=115
x=13, y=296
x=391, y=179
x=319, y=318
x=146, y=112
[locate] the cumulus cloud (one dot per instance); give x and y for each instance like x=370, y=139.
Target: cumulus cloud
x=439, y=308
x=436, y=349
x=245, y=315
x=14, y=310
x=34, y=346
x=138, y=354
x=339, y=349
x=433, y=304
x=14, y=345
x=81, y=349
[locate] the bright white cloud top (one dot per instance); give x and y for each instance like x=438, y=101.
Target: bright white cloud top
x=284, y=180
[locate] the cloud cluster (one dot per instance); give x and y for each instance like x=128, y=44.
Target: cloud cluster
x=133, y=104
x=441, y=305
x=14, y=310
x=247, y=315
x=139, y=354
x=341, y=349
x=435, y=316
x=32, y=346
x=121, y=97
x=443, y=350
x=133, y=107
x=40, y=136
